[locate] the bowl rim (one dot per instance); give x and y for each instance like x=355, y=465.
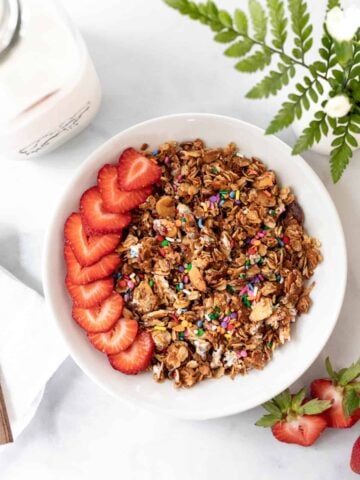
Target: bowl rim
x=51, y=231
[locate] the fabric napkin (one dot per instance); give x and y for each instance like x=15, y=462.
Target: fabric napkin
x=30, y=349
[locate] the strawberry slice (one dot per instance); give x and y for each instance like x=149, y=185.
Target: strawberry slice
x=343, y=392
x=80, y=275
x=116, y=200
x=119, y=338
x=92, y=294
x=303, y=431
x=137, y=357
x=136, y=171
x=102, y=317
x=96, y=219
x=355, y=457
x=293, y=419
x=88, y=250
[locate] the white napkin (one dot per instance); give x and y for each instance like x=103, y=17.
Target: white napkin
x=30, y=349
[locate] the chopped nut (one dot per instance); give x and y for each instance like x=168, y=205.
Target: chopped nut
x=197, y=279
x=261, y=310
x=165, y=207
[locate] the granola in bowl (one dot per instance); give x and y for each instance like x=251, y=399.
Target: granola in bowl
x=215, y=263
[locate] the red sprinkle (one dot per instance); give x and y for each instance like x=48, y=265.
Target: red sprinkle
x=123, y=283
x=230, y=326
x=286, y=239
x=162, y=252
x=252, y=251
x=232, y=243
x=140, y=275
x=159, y=238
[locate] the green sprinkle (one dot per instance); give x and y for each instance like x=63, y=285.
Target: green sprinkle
x=151, y=283
x=214, y=170
x=214, y=316
x=269, y=344
x=164, y=243
x=181, y=335
x=230, y=288
x=177, y=287
x=216, y=309
x=260, y=261
x=246, y=301
x=200, y=332
x=243, y=276
x=224, y=192
x=183, y=219
x=265, y=227
x=247, y=263
x=188, y=267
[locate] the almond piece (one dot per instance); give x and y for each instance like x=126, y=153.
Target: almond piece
x=197, y=279
x=165, y=207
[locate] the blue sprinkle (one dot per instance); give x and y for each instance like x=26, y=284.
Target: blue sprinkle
x=181, y=285
x=280, y=242
x=278, y=278
x=200, y=223
x=117, y=275
x=232, y=194
x=200, y=323
x=221, y=203
x=155, y=152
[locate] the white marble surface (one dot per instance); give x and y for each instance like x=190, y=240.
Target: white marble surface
x=151, y=62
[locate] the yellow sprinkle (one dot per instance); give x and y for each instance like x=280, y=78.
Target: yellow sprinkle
x=257, y=242
x=203, y=204
x=160, y=327
x=178, y=223
x=237, y=195
x=185, y=323
x=179, y=328
x=227, y=336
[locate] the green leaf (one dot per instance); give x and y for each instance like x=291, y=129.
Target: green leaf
x=225, y=37
x=333, y=3
x=239, y=49
x=225, y=18
x=350, y=374
x=278, y=22
x=297, y=400
x=267, y=421
x=354, y=386
x=330, y=371
x=283, y=118
x=351, y=402
x=272, y=408
x=312, y=134
x=212, y=10
x=177, y=4
x=339, y=160
x=300, y=26
x=257, y=61
x=241, y=22
x=315, y=406
x=283, y=400
x=272, y=83
x=259, y=20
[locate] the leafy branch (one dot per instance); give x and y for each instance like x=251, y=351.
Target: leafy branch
x=257, y=37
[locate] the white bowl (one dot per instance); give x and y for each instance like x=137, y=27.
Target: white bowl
x=211, y=398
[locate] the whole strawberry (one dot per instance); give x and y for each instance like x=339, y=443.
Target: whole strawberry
x=355, y=457
x=293, y=419
x=343, y=392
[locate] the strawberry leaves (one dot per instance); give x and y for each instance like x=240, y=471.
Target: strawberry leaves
x=287, y=407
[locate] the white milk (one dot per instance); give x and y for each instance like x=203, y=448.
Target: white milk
x=49, y=90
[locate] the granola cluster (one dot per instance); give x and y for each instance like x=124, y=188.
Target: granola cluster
x=215, y=263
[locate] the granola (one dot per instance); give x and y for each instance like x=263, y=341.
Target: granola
x=215, y=263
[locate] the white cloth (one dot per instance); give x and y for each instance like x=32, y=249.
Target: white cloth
x=30, y=349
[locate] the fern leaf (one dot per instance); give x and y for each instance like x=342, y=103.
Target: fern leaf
x=301, y=27
x=258, y=19
x=241, y=22
x=278, y=22
x=343, y=144
x=257, y=61
x=312, y=134
x=239, y=49
x=273, y=83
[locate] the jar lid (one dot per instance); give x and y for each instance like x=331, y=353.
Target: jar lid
x=10, y=19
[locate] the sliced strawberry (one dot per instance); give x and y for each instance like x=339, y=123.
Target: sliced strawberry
x=293, y=419
x=119, y=338
x=355, y=457
x=88, y=250
x=136, y=171
x=102, y=317
x=116, y=200
x=304, y=430
x=343, y=392
x=80, y=275
x=96, y=219
x=92, y=294
x=137, y=357
x=335, y=416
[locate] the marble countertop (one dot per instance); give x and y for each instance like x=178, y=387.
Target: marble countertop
x=151, y=61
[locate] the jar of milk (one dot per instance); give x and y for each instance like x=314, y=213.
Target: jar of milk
x=49, y=89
